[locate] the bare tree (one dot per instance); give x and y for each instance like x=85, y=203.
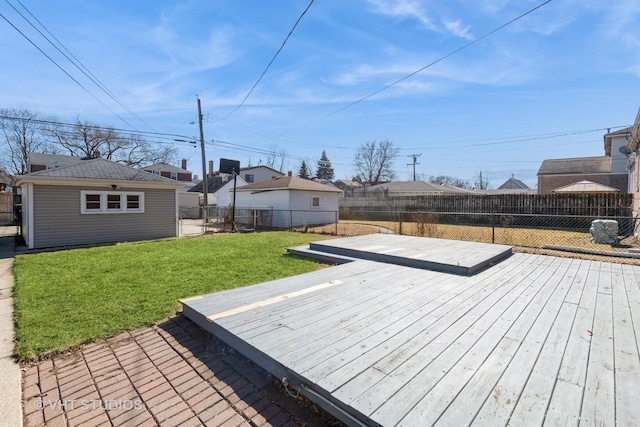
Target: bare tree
x=84, y=139
x=449, y=180
x=480, y=182
x=374, y=161
x=275, y=158
x=22, y=131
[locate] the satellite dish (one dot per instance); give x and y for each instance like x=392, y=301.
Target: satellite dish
x=625, y=150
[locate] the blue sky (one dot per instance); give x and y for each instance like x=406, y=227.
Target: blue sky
x=546, y=86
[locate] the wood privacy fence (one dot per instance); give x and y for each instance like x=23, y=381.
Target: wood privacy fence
x=593, y=205
x=6, y=208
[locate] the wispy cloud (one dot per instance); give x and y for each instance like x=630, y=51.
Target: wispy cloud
x=413, y=9
x=458, y=29
x=404, y=9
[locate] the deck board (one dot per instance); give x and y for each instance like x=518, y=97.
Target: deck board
x=451, y=256
x=533, y=340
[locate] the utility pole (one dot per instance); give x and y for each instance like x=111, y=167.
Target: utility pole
x=415, y=162
x=205, y=188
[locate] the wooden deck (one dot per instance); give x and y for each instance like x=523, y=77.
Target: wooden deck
x=452, y=256
x=533, y=340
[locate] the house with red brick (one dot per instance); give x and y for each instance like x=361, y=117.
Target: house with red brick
x=609, y=170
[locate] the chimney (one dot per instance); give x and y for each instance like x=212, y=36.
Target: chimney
x=210, y=168
x=289, y=173
x=184, y=164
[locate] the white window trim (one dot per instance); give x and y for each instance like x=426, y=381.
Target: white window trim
x=103, y=202
x=312, y=206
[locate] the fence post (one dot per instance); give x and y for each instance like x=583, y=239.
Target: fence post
x=336, y=221
x=290, y=220
x=400, y=223
x=493, y=228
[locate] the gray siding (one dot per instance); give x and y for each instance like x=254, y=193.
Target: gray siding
x=57, y=220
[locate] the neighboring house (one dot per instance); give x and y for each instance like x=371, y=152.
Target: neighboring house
x=408, y=188
x=633, y=165
x=43, y=161
x=96, y=201
x=585, y=187
x=610, y=169
x=347, y=186
x=513, y=184
x=220, y=190
x=250, y=174
x=293, y=201
x=189, y=204
x=171, y=172
x=255, y=174
x=510, y=186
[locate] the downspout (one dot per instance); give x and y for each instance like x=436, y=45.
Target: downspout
x=177, y=217
x=30, y=220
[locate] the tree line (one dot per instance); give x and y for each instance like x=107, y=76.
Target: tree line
x=26, y=131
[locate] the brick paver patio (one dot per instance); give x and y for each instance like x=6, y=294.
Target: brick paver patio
x=173, y=374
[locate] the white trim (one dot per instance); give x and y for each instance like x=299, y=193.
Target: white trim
x=104, y=184
x=312, y=199
x=177, y=213
x=104, y=204
x=30, y=231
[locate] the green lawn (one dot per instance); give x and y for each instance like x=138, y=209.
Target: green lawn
x=70, y=297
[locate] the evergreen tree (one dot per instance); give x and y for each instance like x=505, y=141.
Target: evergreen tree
x=325, y=171
x=304, y=171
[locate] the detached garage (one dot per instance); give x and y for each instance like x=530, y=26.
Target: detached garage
x=96, y=201
x=292, y=201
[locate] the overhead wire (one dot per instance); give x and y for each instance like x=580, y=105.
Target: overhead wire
x=167, y=137
x=270, y=62
x=74, y=60
x=65, y=71
x=442, y=58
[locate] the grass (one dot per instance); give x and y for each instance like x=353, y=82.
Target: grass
x=66, y=298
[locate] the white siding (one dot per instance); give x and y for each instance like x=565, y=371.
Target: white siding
x=188, y=200
x=619, y=161
x=225, y=194
x=304, y=212
x=292, y=208
x=260, y=173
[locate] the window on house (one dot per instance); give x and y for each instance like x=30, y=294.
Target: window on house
x=249, y=178
x=156, y=172
x=108, y=202
x=133, y=201
x=174, y=175
x=92, y=202
x=113, y=201
x=315, y=202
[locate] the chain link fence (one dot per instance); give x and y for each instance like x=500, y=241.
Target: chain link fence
x=555, y=234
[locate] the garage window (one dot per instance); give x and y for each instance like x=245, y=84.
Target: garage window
x=111, y=202
x=315, y=202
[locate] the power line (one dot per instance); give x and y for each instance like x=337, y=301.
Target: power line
x=169, y=137
x=442, y=58
x=75, y=61
x=270, y=62
x=64, y=71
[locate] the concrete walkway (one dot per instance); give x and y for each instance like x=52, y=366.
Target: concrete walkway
x=173, y=374
x=10, y=379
